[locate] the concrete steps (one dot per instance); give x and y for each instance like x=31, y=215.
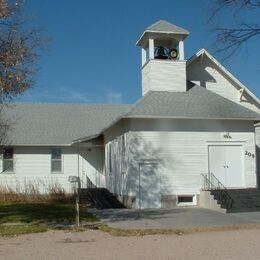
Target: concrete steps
x=99, y=198
x=244, y=200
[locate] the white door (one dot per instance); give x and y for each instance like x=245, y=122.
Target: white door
x=234, y=170
x=225, y=162
x=217, y=162
x=149, y=186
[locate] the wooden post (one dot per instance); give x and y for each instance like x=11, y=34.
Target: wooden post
x=181, y=50
x=77, y=210
x=151, y=48
x=77, y=195
x=144, y=58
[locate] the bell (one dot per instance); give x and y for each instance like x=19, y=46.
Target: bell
x=161, y=53
x=173, y=54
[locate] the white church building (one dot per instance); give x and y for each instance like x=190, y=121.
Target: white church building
x=194, y=119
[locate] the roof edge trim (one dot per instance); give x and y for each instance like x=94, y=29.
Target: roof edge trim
x=181, y=117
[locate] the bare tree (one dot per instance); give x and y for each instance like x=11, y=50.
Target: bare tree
x=19, y=51
x=229, y=38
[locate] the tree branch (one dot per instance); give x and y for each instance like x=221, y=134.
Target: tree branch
x=229, y=40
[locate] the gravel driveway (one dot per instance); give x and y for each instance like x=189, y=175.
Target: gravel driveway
x=93, y=244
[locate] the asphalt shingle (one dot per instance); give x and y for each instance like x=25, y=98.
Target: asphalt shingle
x=58, y=123
x=61, y=124
x=197, y=102
x=164, y=26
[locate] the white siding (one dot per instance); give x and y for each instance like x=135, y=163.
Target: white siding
x=207, y=75
x=116, y=154
x=181, y=149
x=92, y=163
x=33, y=166
x=163, y=75
x=258, y=151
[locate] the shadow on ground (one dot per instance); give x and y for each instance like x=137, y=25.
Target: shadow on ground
x=115, y=215
x=189, y=217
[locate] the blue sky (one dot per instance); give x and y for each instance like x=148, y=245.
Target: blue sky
x=93, y=58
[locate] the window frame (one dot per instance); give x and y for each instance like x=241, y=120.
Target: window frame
x=13, y=160
x=55, y=160
x=190, y=203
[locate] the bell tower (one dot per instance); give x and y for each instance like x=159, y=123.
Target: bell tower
x=163, y=59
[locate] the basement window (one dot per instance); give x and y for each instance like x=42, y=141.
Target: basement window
x=186, y=200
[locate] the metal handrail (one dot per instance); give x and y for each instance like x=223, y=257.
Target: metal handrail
x=211, y=182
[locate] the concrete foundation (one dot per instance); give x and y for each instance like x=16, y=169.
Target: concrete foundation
x=168, y=201
x=128, y=201
x=206, y=200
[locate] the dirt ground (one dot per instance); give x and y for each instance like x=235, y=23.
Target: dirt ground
x=93, y=244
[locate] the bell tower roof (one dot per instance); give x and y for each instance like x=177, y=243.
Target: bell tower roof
x=162, y=28
x=163, y=60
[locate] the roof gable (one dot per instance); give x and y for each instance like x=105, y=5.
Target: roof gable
x=201, y=54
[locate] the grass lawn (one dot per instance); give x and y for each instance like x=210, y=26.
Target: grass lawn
x=37, y=217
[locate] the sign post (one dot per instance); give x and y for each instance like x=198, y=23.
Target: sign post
x=76, y=181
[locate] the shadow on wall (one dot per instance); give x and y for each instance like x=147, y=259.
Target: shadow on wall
x=245, y=98
x=199, y=74
x=93, y=165
x=258, y=165
x=144, y=179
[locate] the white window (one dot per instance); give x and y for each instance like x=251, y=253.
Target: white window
x=8, y=159
x=56, y=160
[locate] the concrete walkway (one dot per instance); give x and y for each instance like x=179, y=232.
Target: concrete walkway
x=172, y=218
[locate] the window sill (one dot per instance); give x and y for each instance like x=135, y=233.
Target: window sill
x=57, y=172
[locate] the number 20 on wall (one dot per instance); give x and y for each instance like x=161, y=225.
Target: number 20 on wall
x=249, y=154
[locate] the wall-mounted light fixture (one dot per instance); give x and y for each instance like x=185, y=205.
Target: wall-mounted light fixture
x=227, y=135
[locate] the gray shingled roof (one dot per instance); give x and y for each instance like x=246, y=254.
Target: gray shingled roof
x=164, y=26
x=197, y=102
x=59, y=123
x=161, y=27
